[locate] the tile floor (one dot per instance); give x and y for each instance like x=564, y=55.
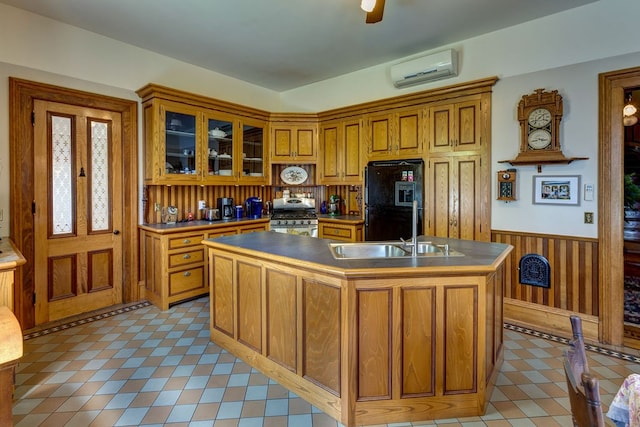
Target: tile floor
x=142, y=366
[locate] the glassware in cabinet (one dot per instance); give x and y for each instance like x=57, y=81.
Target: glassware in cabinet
x=178, y=143
x=220, y=149
x=253, y=150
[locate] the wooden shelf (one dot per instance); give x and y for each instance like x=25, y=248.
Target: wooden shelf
x=539, y=162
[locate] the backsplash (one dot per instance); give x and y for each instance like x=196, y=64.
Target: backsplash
x=186, y=197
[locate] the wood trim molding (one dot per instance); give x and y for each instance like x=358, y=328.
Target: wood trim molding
x=547, y=319
x=610, y=207
x=22, y=94
x=413, y=99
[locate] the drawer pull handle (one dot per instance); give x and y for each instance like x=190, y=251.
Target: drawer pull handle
x=186, y=256
x=187, y=273
x=186, y=241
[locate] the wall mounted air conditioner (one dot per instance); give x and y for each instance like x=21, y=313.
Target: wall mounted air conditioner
x=428, y=68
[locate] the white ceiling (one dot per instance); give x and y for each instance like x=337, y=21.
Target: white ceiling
x=285, y=44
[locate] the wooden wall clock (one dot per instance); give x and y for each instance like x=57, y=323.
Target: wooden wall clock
x=539, y=115
x=507, y=185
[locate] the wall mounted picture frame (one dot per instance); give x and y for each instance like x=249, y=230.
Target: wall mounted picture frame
x=556, y=190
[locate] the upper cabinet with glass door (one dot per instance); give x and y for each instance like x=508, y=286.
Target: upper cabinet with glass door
x=235, y=150
x=253, y=160
x=172, y=135
x=192, y=139
x=219, y=151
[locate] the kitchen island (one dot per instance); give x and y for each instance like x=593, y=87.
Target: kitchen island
x=366, y=341
x=10, y=260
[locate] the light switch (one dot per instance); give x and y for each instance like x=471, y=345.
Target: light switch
x=588, y=192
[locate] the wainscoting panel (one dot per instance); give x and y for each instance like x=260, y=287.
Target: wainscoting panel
x=574, y=282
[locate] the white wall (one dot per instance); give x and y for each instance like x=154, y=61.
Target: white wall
x=565, y=52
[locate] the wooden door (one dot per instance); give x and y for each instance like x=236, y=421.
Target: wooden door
x=467, y=129
x=305, y=138
x=441, y=128
x=410, y=132
x=380, y=135
x=453, y=198
x=77, y=212
x=282, y=144
x=353, y=167
x=330, y=153
x=294, y=143
x=455, y=127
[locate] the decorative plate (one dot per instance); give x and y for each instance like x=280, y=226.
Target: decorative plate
x=293, y=175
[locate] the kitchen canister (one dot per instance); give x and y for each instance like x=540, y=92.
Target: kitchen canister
x=239, y=211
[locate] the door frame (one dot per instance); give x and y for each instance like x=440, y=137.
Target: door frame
x=611, y=212
x=22, y=94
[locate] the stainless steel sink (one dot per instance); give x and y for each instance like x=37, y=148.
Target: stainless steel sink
x=367, y=250
x=376, y=250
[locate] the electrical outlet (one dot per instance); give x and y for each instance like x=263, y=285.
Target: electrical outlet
x=588, y=217
x=156, y=207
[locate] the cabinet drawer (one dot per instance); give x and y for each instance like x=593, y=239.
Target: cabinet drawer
x=183, y=258
x=186, y=280
x=255, y=229
x=223, y=232
x=344, y=233
x=185, y=240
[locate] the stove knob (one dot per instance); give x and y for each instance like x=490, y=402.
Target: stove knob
x=286, y=222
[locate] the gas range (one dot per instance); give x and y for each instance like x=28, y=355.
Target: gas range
x=294, y=216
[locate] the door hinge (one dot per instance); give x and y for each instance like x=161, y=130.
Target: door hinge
x=33, y=207
x=34, y=298
x=33, y=118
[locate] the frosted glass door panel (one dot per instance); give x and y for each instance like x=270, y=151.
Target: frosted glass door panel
x=100, y=191
x=62, y=170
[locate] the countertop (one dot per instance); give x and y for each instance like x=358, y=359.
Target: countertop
x=10, y=256
x=480, y=257
x=200, y=225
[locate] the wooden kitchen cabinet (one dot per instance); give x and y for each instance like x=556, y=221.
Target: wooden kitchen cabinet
x=10, y=260
x=190, y=139
x=398, y=134
x=347, y=232
x=454, y=198
x=368, y=343
x=173, y=261
x=173, y=138
x=455, y=126
x=340, y=153
x=294, y=141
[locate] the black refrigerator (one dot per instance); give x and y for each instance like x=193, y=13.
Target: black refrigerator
x=390, y=188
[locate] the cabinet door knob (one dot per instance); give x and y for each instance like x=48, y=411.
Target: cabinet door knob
x=187, y=273
x=116, y=232
x=186, y=241
x=186, y=256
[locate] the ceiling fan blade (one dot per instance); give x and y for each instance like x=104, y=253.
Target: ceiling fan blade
x=376, y=14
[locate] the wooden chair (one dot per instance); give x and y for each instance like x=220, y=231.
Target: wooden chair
x=584, y=394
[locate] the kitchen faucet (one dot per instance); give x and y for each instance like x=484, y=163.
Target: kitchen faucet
x=414, y=229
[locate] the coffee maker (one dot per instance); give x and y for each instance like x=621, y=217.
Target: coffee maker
x=253, y=207
x=225, y=207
